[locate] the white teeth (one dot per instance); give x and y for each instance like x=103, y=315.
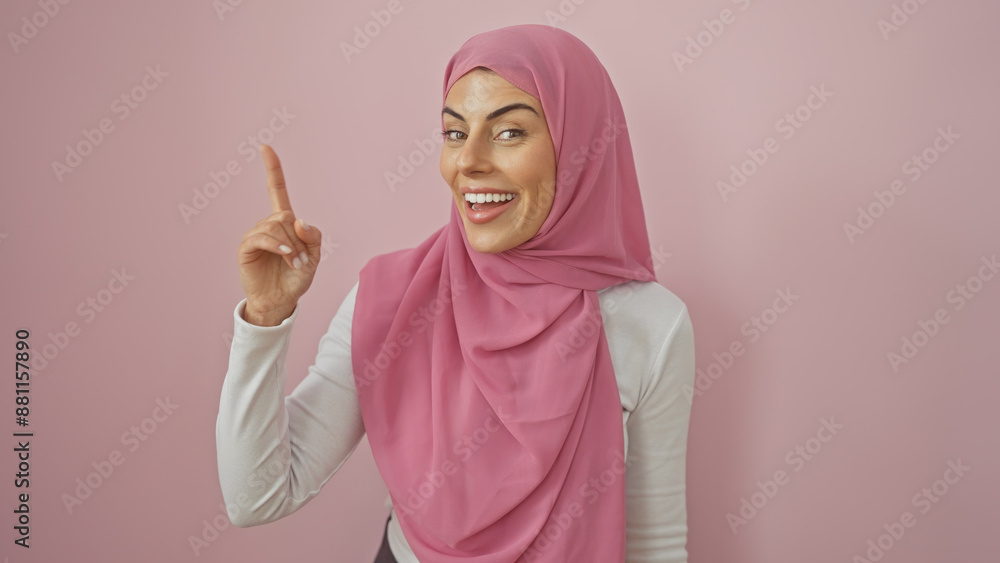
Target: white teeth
x=485, y=198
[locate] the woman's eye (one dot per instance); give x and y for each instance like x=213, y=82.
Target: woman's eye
x=518, y=132
x=505, y=135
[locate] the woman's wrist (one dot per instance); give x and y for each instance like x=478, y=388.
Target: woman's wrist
x=266, y=317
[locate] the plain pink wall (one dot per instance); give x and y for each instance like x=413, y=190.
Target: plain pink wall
x=217, y=80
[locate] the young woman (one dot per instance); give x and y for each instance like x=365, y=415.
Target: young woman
x=518, y=374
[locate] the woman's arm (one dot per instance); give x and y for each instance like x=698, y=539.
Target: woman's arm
x=657, y=453
x=276, y=452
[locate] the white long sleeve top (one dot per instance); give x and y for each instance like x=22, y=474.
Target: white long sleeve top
x=275, y=452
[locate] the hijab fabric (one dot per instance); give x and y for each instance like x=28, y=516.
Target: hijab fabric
x=485, y=380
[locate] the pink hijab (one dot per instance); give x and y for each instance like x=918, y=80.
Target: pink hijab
x=485, y=380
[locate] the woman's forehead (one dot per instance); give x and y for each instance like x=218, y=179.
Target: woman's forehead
x=482, y=90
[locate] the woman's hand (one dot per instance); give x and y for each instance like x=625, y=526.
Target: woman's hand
x=277, y=258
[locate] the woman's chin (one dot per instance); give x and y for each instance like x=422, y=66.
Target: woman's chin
x=485, y=245
x=486, y=242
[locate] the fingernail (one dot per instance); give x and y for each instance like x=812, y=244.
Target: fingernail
x=296, y=263
x=304, y=257
x=284, y=249
x=305, y=227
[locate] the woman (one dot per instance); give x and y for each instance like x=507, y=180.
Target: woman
x=518, y=374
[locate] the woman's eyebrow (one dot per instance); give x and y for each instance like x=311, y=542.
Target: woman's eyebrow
x=494, y=114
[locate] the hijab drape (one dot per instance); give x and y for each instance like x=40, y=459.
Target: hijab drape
x=485, y=380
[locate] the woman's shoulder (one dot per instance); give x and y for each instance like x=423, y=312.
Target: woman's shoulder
x=641, y=318
x=643, y=303
x=649, y=331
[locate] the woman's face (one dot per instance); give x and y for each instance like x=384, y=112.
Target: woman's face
x=497, y=142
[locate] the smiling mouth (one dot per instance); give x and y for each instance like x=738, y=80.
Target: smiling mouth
x=485, y=202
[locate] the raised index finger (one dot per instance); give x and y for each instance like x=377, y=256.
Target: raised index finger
x=275, y=180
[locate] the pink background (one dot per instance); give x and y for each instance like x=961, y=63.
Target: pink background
x=164, y=335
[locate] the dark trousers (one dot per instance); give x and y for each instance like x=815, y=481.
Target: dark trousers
x=384, y=554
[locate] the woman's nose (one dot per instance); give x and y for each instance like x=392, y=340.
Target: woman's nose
x=475, y=155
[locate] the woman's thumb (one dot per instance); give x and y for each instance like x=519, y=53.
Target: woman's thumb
x=310, y=235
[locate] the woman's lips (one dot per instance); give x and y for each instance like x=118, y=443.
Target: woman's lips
x=480, y=217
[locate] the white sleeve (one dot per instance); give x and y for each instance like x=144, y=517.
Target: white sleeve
x=657, y=453
x=276, y=452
